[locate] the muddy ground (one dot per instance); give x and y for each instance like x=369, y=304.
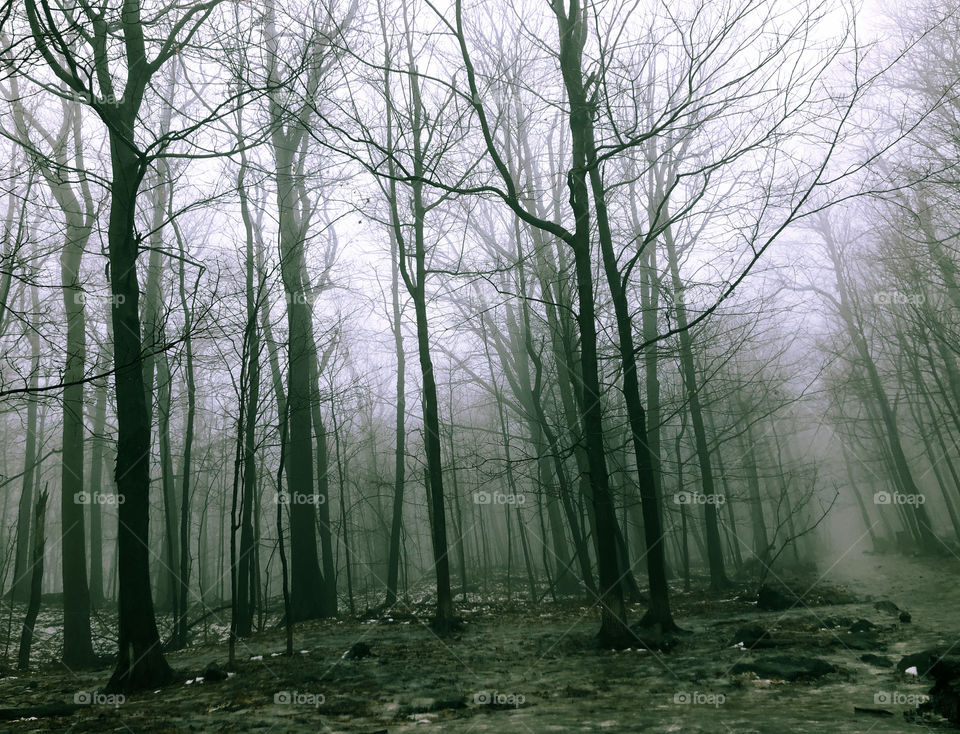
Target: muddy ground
x=516, y=670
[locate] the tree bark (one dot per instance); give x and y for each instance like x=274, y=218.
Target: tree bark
x=36, y=580
x=140, y=663
x=718, y=574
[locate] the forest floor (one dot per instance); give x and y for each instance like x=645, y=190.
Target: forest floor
x=517, y=669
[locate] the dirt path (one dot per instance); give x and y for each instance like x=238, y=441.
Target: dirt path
x=510, y=672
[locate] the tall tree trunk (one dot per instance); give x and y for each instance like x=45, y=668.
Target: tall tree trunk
x=21, y=576
x=658, y=614
x=328, y=580
x=529, y=395
x=77, y=645
x=718, y=574
x=445, y=615
x=305, y=591
x=761, y=544
x=96, y=485
x=457, y=516
x=246, y=577
x=36, y=581
x=399, y=463
x=416, y=287
x=167, y=583
x=186, y=466
x=293, y=209
x=613, y=615
x=344, y=502
x=650, y=304
x=140, y=663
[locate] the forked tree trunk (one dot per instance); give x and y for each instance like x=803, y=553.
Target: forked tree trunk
x=613, y=619
x=415, y=284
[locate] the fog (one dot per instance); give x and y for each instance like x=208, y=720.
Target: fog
x=371, y=364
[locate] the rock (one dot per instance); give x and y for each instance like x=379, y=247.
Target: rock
x=358, y=651
x=878, y=660
x=905, y=617
x=750, y=635
x=945, y=694
x=837, y=621
x=770, y=599
x=923, y=661
x=887, y=606
x=212, y=673
x=862, y=625
x=786, y=667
